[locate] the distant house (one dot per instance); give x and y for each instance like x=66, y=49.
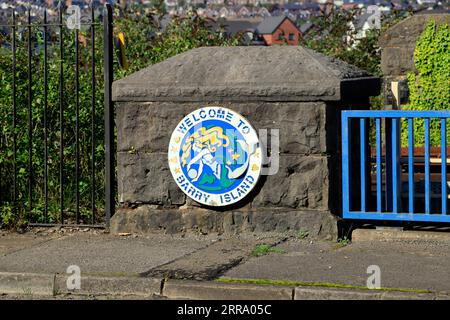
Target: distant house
x=304, y=14
x=243, y=12
x=305, y=28
x=231, y=12
x=223, y=12
x=233, y=27
x=263, y=12
x=349, y=6
x=201, y=12
x=278, y=30
x=426, y=1
x=212, y=13
x=362, y=24
x=245, y=28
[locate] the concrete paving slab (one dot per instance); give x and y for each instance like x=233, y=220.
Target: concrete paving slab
x=403, y=264
x=12, y=241
x=27, y=284
x=101, y=254
x=211, y=262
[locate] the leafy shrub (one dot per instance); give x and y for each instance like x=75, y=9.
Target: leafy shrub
x=333, y=35
x=146, y=45
x=430, y=87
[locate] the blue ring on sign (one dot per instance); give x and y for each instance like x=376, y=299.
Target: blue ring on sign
x=214, y=156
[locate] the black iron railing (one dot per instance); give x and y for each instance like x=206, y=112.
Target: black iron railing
x=89, y=208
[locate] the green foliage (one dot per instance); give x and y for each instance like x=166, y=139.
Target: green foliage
x=333, y=36
x=430, y=87
x=146, y=45
x=314, y=284
x=263, y=249
x=302, y=234
x=53, y=123
x=7, y=216
x=343, y=242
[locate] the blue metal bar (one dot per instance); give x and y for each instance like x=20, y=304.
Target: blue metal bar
x=427, y=165
x=393, y=210
x=444, y=165
x=388, y=164
x=392, y=114
x=362, y=143
x=396, y=178
x=397, y=217
x=411, y=164
x=345, y=163
x=379, y=169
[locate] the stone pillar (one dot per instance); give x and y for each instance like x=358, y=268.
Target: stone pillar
x=397, y=53
x=295, y=90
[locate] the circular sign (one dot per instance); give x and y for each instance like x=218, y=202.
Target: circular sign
x=215, y=156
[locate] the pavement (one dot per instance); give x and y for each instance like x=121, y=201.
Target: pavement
x=33, y=265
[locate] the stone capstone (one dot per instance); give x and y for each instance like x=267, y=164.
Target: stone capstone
x=274, y=73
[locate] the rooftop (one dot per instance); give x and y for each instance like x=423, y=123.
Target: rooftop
x=270, y=24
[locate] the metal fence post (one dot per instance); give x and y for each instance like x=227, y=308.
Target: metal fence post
x=109, y=115
x=345, y=133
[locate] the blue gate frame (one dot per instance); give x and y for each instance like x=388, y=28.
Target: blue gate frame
x=388, y=204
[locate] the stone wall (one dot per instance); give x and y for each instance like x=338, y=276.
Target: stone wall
x=397, y=55
x=302, y=99
x=143, y=139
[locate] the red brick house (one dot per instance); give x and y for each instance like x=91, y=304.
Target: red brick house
x=278, y=30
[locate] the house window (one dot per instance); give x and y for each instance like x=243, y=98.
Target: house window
x=281, y=36
x=291, y=37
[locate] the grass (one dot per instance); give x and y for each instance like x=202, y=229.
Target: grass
x=343, y=242
x=263, y=249
x=27, y=291
x=316, y=284
x=302, y=234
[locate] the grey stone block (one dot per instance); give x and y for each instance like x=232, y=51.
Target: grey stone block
x=301, y=182
x=146, y=178
x=147, y=126
x=147, y=219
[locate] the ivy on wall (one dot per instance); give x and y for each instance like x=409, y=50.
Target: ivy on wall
x=430, y=87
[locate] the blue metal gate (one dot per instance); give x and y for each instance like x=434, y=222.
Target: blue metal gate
x=388, y=186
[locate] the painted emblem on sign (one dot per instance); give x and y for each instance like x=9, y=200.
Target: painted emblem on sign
x=215, y=156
